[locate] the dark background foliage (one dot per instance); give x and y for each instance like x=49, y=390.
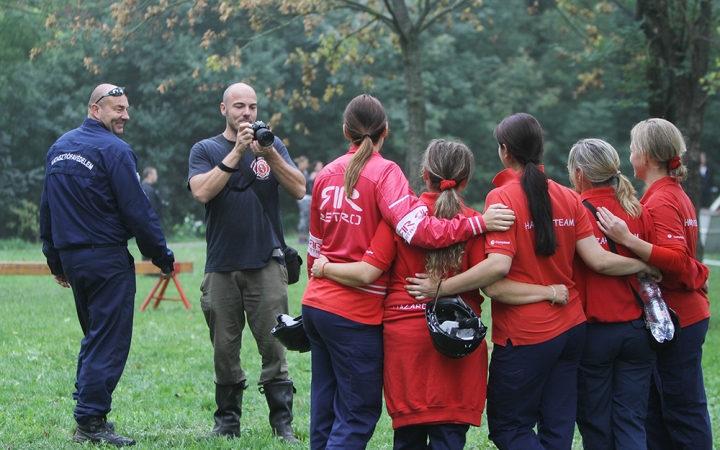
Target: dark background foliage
x=515, y=55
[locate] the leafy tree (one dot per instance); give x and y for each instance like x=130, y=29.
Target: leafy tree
x=343, y=39
x=175, y=61
x=669, y=45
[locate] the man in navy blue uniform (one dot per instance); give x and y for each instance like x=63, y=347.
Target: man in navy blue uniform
x=92, y=203
x=245, y=272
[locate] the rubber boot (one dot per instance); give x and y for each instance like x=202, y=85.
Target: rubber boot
x=229, y=410
x=279, y=395
x=96, y=430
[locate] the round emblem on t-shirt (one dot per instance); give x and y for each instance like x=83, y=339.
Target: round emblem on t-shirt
x=261, y=168
x=669, y=236
x=492, y=242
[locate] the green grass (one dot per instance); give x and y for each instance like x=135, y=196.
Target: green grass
x=165, y=397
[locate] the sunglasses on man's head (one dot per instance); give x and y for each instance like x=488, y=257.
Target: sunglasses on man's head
x=114, y=92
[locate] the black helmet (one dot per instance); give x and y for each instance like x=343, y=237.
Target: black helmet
x=455, y=329
x=290, y=333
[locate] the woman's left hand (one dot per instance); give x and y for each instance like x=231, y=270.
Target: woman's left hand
x=317, y=268
x=560, y=296
x=651, y=271
x=421, y=287
x=614, y=227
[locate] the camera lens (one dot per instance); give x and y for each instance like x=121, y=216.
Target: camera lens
x=263, y=134
x=264, y=137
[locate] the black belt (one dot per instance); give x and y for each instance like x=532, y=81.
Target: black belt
x=86, y=246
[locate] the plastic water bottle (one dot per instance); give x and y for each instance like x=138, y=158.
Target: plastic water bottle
x=656, y=312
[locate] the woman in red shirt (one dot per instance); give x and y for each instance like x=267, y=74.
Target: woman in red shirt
x=677, y=413
x=440, y=404
x=351, y=196
x=537, y=347
x=617, y=361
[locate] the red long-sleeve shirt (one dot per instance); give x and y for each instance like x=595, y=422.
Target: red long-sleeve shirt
x=342, y=226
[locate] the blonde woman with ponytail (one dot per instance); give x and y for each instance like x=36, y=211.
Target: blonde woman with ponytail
x=617, y=361
x=677, y=411
x=351, y=197
x=436, y=409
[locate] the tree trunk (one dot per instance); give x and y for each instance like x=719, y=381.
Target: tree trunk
x=684, y=51
x=415, y=97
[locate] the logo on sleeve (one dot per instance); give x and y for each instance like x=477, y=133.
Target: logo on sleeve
x=314, y=246
x=407, y=226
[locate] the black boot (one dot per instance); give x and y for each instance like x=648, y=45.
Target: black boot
x=97, y=430
x=229, y=410
x=279, y=395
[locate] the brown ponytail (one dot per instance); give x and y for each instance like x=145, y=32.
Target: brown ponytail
x=365, y=123
x=448, y=165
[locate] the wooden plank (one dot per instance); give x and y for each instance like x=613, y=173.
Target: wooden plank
x=41, y=268
x=24, y=268
x=143, y=267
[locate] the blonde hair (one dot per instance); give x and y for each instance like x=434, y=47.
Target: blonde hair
x=365, y=122
x=600, y=165
x=660, y=141
x=450, y=162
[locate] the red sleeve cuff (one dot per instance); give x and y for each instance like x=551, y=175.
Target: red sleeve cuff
x=670, y=261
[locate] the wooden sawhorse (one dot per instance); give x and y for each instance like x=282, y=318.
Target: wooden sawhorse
x=141, y=267
x=146, y=267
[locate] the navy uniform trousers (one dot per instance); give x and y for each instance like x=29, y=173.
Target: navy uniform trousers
x=613, y=385
x=103, y=283
x=677, y=412
x=535, y=385
x=347, y=380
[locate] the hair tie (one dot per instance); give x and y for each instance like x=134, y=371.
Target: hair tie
x=447, y=184
x=674, y=162
x=366, y=135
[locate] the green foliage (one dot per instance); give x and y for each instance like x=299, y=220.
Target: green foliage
x=580, y=72
x=26, y=224
x=190, y=229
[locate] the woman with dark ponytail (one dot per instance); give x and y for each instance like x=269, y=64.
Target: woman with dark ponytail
x=351, y=197
x=537, y=346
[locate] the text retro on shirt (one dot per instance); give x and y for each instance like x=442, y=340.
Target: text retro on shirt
x=332, y=202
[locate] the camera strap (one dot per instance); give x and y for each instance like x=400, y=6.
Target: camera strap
x=613, y=248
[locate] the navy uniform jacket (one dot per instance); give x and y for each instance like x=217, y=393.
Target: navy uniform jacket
x=92, y=196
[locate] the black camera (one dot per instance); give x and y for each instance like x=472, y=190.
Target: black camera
x=263, y=134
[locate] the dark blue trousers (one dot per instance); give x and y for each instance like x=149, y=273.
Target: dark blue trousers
x=535, y=385
x=443, y=436
x=677, y=413
x=613, y=385
x=347, y=380
x=103, y=284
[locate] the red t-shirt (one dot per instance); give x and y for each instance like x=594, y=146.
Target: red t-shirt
x=537, y=322
x=341, y=228
x=675, y=223
x=608, y=298
x=421, y=385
